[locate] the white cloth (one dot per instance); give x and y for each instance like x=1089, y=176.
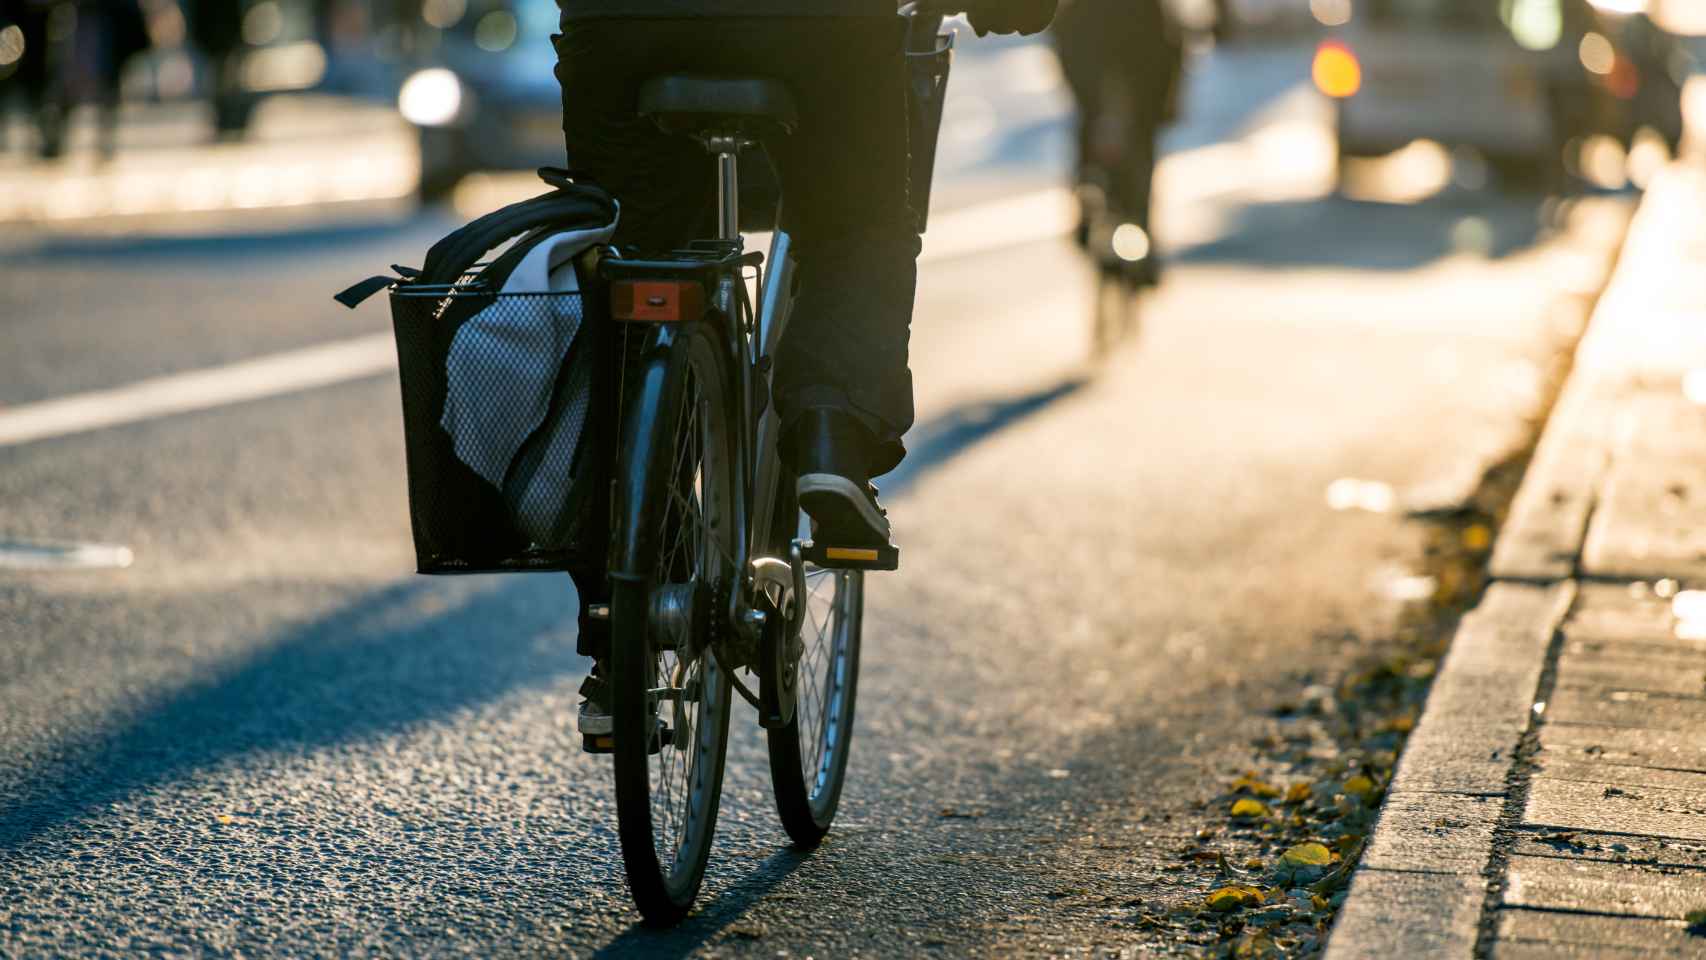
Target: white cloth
x=501, y=375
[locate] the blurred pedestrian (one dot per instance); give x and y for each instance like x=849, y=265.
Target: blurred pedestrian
x=1124, y=60
x=108, y=34
x=40, y=78
x=216, y=29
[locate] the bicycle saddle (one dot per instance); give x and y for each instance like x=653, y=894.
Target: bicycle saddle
x=684, y=103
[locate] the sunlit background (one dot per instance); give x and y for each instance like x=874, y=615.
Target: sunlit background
x=1160, y=484
x=440, y=98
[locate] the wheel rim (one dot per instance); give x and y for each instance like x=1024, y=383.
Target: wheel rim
x=826, y=667
x=691, y=560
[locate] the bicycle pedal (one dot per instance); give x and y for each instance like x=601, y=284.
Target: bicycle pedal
x=883, y=558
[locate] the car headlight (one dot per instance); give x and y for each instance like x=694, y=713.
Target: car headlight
x=431, y=98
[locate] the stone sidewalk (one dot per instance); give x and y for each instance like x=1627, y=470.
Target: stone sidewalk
x=1552, y=800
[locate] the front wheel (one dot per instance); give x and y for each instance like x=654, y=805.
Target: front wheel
x=808, y=756
x=669, y=695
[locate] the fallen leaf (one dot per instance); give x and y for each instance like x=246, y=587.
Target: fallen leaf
x=1234, y=897
x=1304, y=863
x=1362, y=788
x=1253, y=864
x=1476, y=537
x=1299, y=792
x=225, y=818
x=1309, y=854
x=1248, y=783
x=749, y=931
x=1256, y=946
x=1248, y=809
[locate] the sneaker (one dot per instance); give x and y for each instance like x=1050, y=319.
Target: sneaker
x=831, y=453
x=595, y=720
x=596, y=726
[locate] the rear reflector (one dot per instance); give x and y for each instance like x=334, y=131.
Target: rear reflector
x=657, y=301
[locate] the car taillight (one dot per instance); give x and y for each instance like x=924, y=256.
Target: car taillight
x=1336, y=70
x=657, y=301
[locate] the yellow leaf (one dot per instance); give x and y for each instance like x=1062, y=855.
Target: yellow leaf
x=1400, y=724
x=1477, y=538
x=1249, y=784
x=1309, y=854
x=1253, y=864
x=1319, y=902
x=1299, y=792
x=1235, y=897
x=225, y=818
x=1248, y=809
x=1360, y=787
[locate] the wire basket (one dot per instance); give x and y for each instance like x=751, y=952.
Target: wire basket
x=499, y=413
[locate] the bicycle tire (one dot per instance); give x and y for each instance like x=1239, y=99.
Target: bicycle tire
x=808, y=755
x=674, y=494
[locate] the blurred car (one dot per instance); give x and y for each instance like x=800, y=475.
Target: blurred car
x=487, y=99
x=1516, y=80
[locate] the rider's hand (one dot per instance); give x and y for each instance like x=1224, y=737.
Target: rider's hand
x=1010, y=16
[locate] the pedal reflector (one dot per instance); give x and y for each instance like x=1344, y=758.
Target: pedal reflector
x=851, y=558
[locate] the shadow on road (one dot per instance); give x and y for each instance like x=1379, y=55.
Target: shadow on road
x=394, y=659
x=1345, y=234
x=940, y=439
x=710, y=919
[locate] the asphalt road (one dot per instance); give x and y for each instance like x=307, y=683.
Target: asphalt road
x=266, y=738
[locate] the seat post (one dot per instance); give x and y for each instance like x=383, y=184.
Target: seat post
x=727, y=148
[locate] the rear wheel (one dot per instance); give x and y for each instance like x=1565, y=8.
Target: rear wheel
x=808, y=756
x=669, y=695
x=1116, y=309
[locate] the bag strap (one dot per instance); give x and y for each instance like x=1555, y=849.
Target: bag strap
x=455, y=254
x=570, y=201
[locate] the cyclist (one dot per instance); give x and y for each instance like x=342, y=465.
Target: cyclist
x=1123, y=60
x=842, y=387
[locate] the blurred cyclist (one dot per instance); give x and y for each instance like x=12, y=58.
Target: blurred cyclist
x=1124, y=61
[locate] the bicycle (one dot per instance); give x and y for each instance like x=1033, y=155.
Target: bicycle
x=1118, y=245
x=709, y=574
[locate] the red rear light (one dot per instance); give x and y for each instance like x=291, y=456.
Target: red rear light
x=1336, y=71
x=657, y=301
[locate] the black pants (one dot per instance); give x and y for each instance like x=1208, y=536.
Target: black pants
x=843, y=174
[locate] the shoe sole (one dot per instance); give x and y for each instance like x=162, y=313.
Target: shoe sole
x=840, y=511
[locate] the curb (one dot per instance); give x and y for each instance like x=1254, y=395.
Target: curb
x=1430, y=867
x=1422, y=883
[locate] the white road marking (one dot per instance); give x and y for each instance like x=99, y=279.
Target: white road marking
x=25, y=555
x=956, y=233
x=297, y=370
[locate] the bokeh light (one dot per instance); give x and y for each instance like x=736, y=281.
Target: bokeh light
x=1331, y=13
x=1597, y=54
x=496, y=31
x=1535, y=24
x=1336, y=70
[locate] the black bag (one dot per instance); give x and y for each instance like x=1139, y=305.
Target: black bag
x=502, y=384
